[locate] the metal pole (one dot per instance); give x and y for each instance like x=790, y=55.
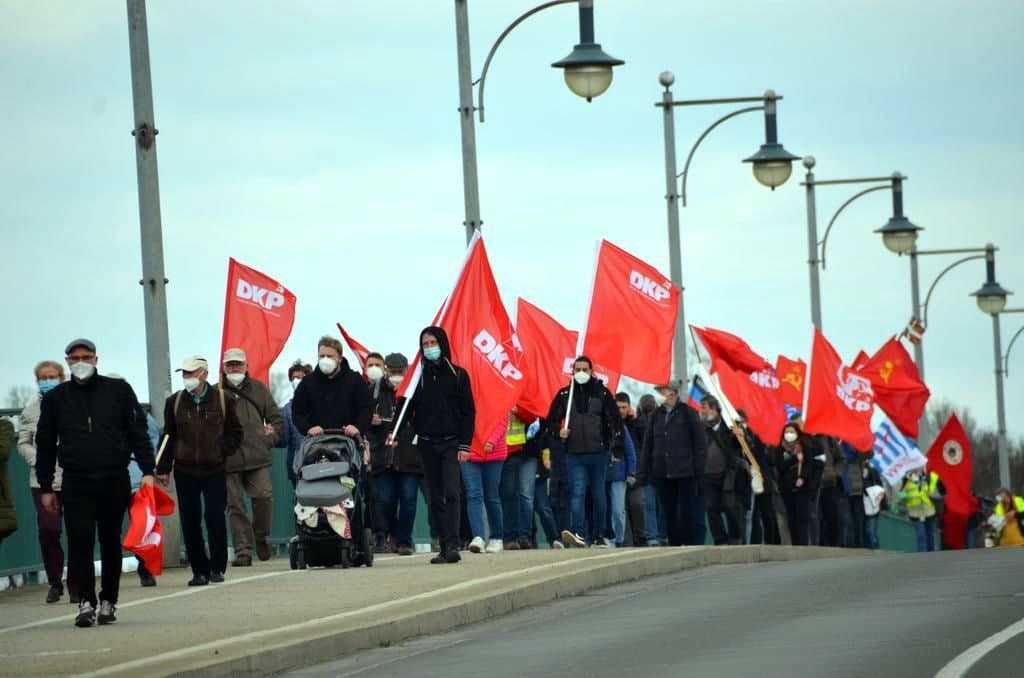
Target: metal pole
x=153, y=282
x=812, y=244
x=915, y=301
x=1002, y=451
x=470, y=181
x=674, y=252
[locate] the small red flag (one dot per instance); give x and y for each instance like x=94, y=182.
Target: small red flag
x=791, y=375
x=950, y=458
x=362, y=353
x=724, y=347
x=838, y=401
x=145, y=535
x=898, y=388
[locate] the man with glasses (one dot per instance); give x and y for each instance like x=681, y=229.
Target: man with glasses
x=93, y=425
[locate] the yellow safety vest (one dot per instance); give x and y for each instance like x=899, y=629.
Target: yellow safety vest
x=515, y=434
x=1018, y=503
x=918, y=498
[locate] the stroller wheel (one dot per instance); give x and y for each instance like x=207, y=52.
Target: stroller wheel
x=366, y=544
x=298, y=560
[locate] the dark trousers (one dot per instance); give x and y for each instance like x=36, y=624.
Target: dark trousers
x=830, y=520
x=49, y=525
x=558, y=498
x=719, y=500
x=680, y=507
x=542, y=509
x=764, y=529
x=798, y=514
x=636, y=516
x=444, y=487
x=94, y=507
x=855, y=533
x=203, y=499
x=396, y=499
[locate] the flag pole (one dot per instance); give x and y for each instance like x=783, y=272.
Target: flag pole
x=731, y=416
x=581, y=338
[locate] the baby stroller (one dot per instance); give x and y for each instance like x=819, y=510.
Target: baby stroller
x=331, y=514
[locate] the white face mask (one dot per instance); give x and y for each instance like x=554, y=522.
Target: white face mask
x=82, y=370
x=659, y=399
x=327, y=365
x=236, y=379
x=295, y=382
x=581, y=377
x=790, y=437
x=395, y=379
x=374, y=373
x=190, y=383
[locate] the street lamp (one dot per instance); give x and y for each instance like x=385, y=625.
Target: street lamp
x=1013, y=340
x=772, y=165
x=587, y=71
x=899, y=229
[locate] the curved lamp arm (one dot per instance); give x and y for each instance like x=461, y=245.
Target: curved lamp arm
x=927, y=297
x=715, y=124
x=824, y=240
x=501, y=38
x=1006, y=358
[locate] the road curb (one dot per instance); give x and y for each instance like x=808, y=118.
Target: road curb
x=267, y=655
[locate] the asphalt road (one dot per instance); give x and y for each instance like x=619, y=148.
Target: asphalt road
x=901, y=616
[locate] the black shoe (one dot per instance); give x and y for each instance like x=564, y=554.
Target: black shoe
x=524, y=544
x=146, y=579
x=199, y=580
x=86, y=615
x=244, y=560
x=107, y=613
x=54, y=594
x=216, y=577
x=452, y=556
x=263, y=550
x=439, y=559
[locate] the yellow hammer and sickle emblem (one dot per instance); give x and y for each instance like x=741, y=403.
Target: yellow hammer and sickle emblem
x=794, y=379
x=886, y=371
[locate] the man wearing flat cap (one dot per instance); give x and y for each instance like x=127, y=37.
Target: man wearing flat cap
x=203, y=431
x=93, y=425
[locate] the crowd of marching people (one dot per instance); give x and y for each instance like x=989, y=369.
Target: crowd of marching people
x=596, y=470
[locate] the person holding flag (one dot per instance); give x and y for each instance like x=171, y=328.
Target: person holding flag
x=202, y=430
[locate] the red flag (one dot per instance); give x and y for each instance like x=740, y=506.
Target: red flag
x=549, y=350
x=837, y=400
x=950, y=458
x=757, y=395
x=860, y=360
x=723, y=347
x=632, y=316
x=361, y=351
x=791, y=375
x=258, y=317
x=898, y=388
x=145, y=535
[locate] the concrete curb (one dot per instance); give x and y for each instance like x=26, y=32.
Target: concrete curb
x=283, y=650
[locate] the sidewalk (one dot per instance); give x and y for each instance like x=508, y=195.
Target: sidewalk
x=268, y=618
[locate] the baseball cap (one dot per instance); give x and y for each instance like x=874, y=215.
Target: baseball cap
x=84, y=343
x=234, y=355
x=396, y=361
x=193, y=363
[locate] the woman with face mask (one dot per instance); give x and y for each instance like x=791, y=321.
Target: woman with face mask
x=794, y=458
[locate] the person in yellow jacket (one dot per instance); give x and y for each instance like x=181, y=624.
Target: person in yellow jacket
x=918, y=495
x=1011, y=509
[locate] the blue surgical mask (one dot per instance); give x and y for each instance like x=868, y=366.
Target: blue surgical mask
x=432, y=353
x=47, y=385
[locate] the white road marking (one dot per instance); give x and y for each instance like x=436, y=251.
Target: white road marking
x=963, y=662
x=323, y=622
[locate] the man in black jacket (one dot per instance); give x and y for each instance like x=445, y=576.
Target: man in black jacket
x=724, y=477
x=588, y=434
x=443, y=417
x=333, y=396
x=202, y=430
x=672, y=461
x=93, y=425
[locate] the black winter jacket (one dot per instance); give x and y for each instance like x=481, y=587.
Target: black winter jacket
x=674, y=445
x=595, y=419
x=442, y=405
x=93, y=428
x=332, y=402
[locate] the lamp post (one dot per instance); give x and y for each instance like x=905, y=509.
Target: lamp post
x=772, y=164
x=991, y=298
x=587, y=71
x=810, y=183
x=1013, y=340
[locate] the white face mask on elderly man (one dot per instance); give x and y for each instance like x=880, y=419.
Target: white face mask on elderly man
x=236, y=379
x=82, y=370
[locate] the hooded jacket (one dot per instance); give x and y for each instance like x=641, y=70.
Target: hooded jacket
x=595, y=419
x=332, y=401
x=442, y=405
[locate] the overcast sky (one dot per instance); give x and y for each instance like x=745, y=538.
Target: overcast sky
x=319, y=143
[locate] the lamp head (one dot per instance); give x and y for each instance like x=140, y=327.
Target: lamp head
x=588, y=70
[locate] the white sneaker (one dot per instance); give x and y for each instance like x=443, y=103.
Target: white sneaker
x=572, y=539
x=477, y=545
x=495, y=546
x=557, y=545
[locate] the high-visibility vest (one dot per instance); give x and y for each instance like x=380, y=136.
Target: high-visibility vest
x=918, y=497
x=515, y=434
x=1017, y=502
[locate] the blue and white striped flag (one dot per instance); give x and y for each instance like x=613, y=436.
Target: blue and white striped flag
x=895, y=454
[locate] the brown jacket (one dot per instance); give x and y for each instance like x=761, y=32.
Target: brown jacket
x=255, y=407
x=200, y=436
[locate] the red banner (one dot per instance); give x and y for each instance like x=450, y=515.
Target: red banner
x=360, y=351
x=632, y=316
x=258, y=317
x=549, y=350
x=757, y=394
x=791, y=375
x=723, y=347
x=950, y=458
x=145, y=535
x=838, y=401
x=898, y=388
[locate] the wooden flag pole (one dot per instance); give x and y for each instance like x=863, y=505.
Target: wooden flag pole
x=160, y=452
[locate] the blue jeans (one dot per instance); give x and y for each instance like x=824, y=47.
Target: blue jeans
x=617, y=509
x=482, y=480
x=925, y=533
x=587, y=472
x=871, y=532
x=518, y=477
x=542, y=507
x=653, y=526
x=396, y=496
